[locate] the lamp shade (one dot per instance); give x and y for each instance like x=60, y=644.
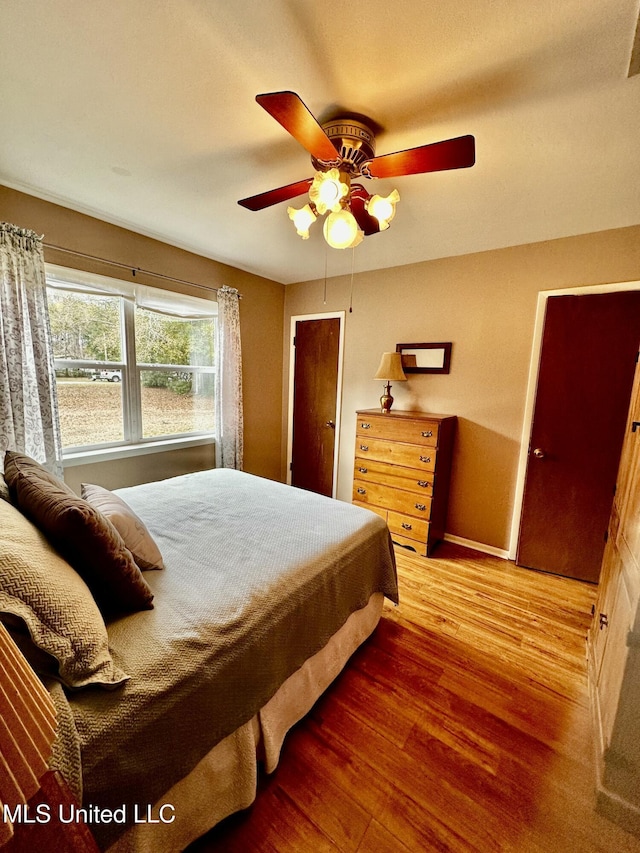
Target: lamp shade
x=27, y=729
x=328, y=189
x=303, y=218
x=341, y=231
x=383, y=208
x=391, y=368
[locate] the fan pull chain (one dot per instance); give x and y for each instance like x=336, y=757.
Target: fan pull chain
x=353, y=260
x=326, y=252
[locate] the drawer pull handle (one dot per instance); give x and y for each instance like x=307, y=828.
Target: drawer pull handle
x=426, y=433
x=425, y=459
x=421, y=507
x=363, y=470
x=365, y=426
x=406, y=526
x=423, y=484
x=362, y=491
x=364, y=447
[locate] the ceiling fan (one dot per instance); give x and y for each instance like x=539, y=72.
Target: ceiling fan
x=343, y=149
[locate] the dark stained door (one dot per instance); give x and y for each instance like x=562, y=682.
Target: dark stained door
x=587, y=364
x=315, y=388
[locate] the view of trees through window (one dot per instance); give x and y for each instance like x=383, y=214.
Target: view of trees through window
x=169, y=389
x=83, y=327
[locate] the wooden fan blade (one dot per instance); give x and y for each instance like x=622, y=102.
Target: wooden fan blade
x=458, y=153
x=259, y=202
x=287, y=109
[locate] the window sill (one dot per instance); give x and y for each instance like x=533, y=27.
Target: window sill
x=106, y=454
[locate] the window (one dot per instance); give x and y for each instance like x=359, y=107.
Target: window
x=133, y=363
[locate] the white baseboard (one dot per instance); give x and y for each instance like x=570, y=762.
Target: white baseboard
x=477, y=546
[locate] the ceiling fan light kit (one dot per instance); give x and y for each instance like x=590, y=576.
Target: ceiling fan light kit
x=340, y=150
x=331, y=192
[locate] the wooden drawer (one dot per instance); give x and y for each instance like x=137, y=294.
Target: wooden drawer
x=408, y=526
x=394, y=475
x=395, y=452
x=411, y=431
x=419, y=547
x=392, y=499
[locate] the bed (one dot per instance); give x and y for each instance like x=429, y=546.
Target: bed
x=264, y=593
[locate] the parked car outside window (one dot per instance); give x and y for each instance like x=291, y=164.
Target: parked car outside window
x=107, y=375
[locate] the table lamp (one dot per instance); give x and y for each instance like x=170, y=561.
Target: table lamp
x=390, y=370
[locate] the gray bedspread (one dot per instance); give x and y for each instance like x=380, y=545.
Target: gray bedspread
x=258, y=577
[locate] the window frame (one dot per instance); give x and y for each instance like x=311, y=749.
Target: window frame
x=133, y=441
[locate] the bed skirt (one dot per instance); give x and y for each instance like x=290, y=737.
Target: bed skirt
x=225, y=780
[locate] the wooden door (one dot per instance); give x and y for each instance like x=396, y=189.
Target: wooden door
x=628, y=485
x=619, y=582
x=315, y=397
x=586, y=372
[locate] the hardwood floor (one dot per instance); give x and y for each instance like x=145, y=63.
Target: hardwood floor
x=462, y=724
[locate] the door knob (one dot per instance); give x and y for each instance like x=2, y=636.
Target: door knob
x=330, y=424
x=538, y=453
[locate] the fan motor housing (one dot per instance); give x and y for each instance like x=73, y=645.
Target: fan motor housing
x=355, y=141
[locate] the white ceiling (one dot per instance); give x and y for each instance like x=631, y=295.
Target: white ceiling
x=142, y=112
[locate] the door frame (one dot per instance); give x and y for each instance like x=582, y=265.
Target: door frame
x=532, y=387
x=295, y=318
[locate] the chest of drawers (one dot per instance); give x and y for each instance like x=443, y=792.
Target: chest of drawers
x=402, y=471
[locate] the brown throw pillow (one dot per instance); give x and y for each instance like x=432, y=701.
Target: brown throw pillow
x=84, y=537
x=41, y=593
x=130, y=526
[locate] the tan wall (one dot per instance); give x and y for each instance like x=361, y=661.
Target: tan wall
x=485, y=304
x=261, y=312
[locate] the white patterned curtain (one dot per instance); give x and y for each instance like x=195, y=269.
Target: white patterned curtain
x=28, y=402
x=228, y=403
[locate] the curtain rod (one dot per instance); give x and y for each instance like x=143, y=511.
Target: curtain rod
x=133, y=269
